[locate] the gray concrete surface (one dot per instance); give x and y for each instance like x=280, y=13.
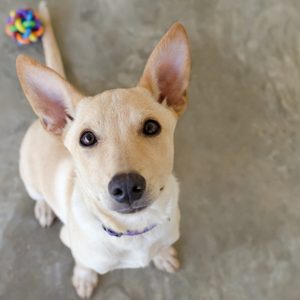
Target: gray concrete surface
x=237, y=148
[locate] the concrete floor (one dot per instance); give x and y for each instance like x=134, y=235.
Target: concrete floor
x=237, y=148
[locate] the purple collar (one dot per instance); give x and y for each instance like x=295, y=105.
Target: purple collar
x=128, y=232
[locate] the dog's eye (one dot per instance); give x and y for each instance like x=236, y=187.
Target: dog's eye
x=151, y=128
x=87, y=139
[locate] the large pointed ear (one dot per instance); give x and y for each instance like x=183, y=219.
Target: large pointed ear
x=52, y=98
x=167, y=71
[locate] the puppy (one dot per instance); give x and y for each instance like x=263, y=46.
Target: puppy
x=103, y=164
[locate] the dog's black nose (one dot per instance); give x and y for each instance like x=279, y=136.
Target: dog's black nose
x=127, y=188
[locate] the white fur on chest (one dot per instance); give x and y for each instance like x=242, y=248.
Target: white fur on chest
x=96, y=249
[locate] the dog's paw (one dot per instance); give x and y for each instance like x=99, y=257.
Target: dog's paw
x=84, y=280
x=43, y=213
x=167, y=260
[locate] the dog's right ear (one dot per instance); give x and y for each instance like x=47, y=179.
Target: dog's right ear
x=167, y=71
x=52, y=98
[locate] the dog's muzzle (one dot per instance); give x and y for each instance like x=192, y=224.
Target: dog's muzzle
x=127, y=189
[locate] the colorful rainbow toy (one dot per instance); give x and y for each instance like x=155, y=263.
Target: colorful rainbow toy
x=24, y=26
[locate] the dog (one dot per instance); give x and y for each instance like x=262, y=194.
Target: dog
x=104, y=164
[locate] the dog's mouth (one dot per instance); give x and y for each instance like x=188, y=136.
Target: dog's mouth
x=131, y=210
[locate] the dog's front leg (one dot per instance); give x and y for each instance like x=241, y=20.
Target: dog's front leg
x=43, y=213
x=84, y=280
x=167, y=260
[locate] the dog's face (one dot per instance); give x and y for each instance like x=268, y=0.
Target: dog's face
x=121, y=140
x=127, y=132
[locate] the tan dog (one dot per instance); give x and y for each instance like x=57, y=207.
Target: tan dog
x=103, y=164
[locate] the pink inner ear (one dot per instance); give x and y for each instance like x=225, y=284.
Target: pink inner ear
x=54, y=116
x=167, y=71
x=52, y=98
x=169, y=84
x=171, y=72
x=50, y=106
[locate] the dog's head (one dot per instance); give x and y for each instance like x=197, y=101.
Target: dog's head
x=121, y=140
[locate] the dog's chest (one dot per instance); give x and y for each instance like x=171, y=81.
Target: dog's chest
x=108, y=252
x=134, y=252
x=103, y=253
x=95, y=248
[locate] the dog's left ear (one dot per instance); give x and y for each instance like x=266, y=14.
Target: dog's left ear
x=52, y=98
x=167, y=71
